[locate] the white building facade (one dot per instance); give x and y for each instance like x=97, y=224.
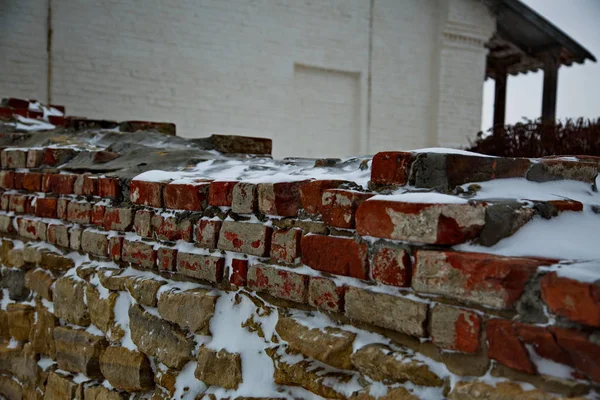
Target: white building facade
x=319, y=77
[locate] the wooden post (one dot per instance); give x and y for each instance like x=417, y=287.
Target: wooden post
x=500, y=98
x=551, y=65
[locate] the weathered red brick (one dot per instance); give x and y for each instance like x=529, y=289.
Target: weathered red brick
x=242, y=237
x=146, y=193
x=567, y=205
x=279, y=283
x=186, y=196
x=58, y=235
x=285, y=245
x=142, y=223
x=7, y=179
x=420, y=222
x=95, y=243
x=79, y=212
x=61, y=208
x=543, y=342
x=391, y=168
x=391, y=265
x=35, y=157
x=200, y=266
x=4, y=201
x=221, y=193
x=32, y=181
x=57, y=156
x=97, y=214
x=46, y=207
x=118, y=218
x=311, y=194
x=323, y=293
x=166, y=259
x=339, y=207
x=485, y=279
x=139, y=253
x=32, y=229
x=239, y=272
x=584, y=353
x=207, y=233
x=455, y=328
x=58, y=183
x=505, y=347
x=18, y=202
x=171, y=228
x=115, y=247
x=19, y=180
x=12, y=158
x=281, y=198
x=245, y=198
x=57, y=120
x=577, y=301
x=109, y=188
x=14, y=102
x=90, y=185
x=336, y=255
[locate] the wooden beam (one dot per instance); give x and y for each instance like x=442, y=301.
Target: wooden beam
x=500, y=98
x=551, y=65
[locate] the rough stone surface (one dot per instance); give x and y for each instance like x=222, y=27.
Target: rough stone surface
x=323, y=293
x=40, y=282
x=285, y=245
x=20, y=320
x=139, y=253
x=221, y=368
x=159, y=339
x=387, y=311
x=102, y=393
x=101, y=307
x=191, y=309
x=60, y=387
x=42, y=332
x=330, y=345
x=69, y=303
x=94, y=243
x=14, y=281
x=79, y=351
x=380, y=363
x=144, y=290
x=126, y=370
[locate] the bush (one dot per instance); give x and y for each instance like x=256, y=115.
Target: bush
x=535, y=139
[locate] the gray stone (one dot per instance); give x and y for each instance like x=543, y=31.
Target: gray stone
x=94, y=243
x=14, y=281
x=503, y=220
x=244, y=198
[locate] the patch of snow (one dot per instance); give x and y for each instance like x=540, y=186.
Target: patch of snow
x=121, y=311
x=13, y=343
x=447, y=150
x=45, y=362
x=548, y=367
x=420, y=197
x=187, y=387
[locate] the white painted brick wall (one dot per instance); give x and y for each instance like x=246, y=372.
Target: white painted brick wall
x=225, y=66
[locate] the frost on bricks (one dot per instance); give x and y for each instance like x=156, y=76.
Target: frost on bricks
x=418, y=222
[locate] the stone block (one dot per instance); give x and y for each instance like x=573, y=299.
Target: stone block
x=391, y=265
x=285, y=245
x=221, y=368
x=166, y=259
x=69, y=301
x=118, y=218
x=32, y=181
x=192, y=309
x=79, y=212
x=239, y=272
x=172, y=228
x=323, y=293
x=40, y=282
x=339, y=207
x=127, y=370
x=456, y=329
x=61, y=387
x=42, y=332
x=391, y=168
x=20, y=319
x=142, y=223
x=95, y=243
x=577, y=301
x=58, y=235
x=144, y=290
x=101, y=305
x=78, y=351
x=146, y=193
x=109, y=188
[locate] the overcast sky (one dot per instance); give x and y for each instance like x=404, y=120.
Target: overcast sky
x=578, y=85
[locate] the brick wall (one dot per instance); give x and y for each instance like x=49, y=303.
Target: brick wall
x=229, y=67
x=113, y=286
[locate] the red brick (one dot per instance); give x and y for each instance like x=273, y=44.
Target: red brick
x=166, y=259
x=97, y=215
x=285, y=245
x=118, y=218
x=57, y=120
x=455, y=328
x=32, y=229
x=281, y=198
x=585, y=354
x=54, y=156
x=391, y=265
x=484, y=279
x=339, y=207
x=115, y=247
x=245, y=198
x=279, y=283
x=505, y=347
x=58, y=183
x=243, y=237
x=61, y=208
x=32, y=181
x=12, y=159
x=172, y=228
x=79, y=212
x=200, y=266
x=139, y=253
x=146, y=193
x=567, y=205
x=30, y=205
x=7, y=179
x=110, y=188
x=46, y=207
x=19, y=180
x=239, y=272
x=142, y=223
x=543, y=342
x=90, y=186
x=325, y=294
x=34, y=158
x=35, y=114
x=391, y=168
x=186, y=196
x=207, y=233
x=18, y=203
x=336, y=255
x=17, y=103
x=420, y=222
x=577, y=301
x=221, y=194
x=311, y=194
